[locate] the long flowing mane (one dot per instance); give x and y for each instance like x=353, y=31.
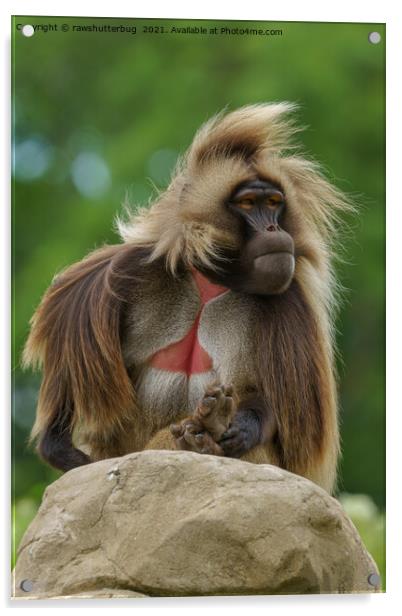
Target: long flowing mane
x=76, y=330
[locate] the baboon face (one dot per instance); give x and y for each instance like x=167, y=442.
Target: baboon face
x=265, y=262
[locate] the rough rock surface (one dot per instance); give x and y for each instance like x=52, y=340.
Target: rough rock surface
x=179, y=523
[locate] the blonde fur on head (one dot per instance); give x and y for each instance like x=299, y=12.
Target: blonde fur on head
x=235, y=146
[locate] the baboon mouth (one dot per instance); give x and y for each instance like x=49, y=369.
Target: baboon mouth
x=274, y=254
x=275, y=269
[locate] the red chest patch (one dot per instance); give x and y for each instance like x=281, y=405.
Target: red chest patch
x=187, y=355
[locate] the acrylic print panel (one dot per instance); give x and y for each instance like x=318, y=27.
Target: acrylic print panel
x=245, y=277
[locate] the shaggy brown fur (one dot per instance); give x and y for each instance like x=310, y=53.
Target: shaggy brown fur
x=83, y=319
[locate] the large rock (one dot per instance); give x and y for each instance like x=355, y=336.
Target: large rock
x=178, y=523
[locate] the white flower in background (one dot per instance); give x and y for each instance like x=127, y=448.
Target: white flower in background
x=359, y=506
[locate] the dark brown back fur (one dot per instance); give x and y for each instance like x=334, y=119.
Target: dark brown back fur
x=76, y=337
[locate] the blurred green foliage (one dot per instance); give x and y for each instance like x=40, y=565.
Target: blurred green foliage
x=370, y=522
x=99, y=117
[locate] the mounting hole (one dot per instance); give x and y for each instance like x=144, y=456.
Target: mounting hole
x=374, y=579
x=28, y=30
x=374, y=38
x=26, y=585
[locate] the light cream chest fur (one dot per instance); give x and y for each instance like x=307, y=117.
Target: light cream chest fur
x=163, y=313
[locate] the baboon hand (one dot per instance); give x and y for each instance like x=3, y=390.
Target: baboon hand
x=211, y=418
x=243, y=434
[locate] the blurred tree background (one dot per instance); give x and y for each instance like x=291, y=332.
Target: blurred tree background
x=101, y=117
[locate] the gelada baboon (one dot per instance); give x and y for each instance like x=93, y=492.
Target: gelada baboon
x=210, y=327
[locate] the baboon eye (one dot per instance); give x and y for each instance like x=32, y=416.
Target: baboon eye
x=276, y=197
